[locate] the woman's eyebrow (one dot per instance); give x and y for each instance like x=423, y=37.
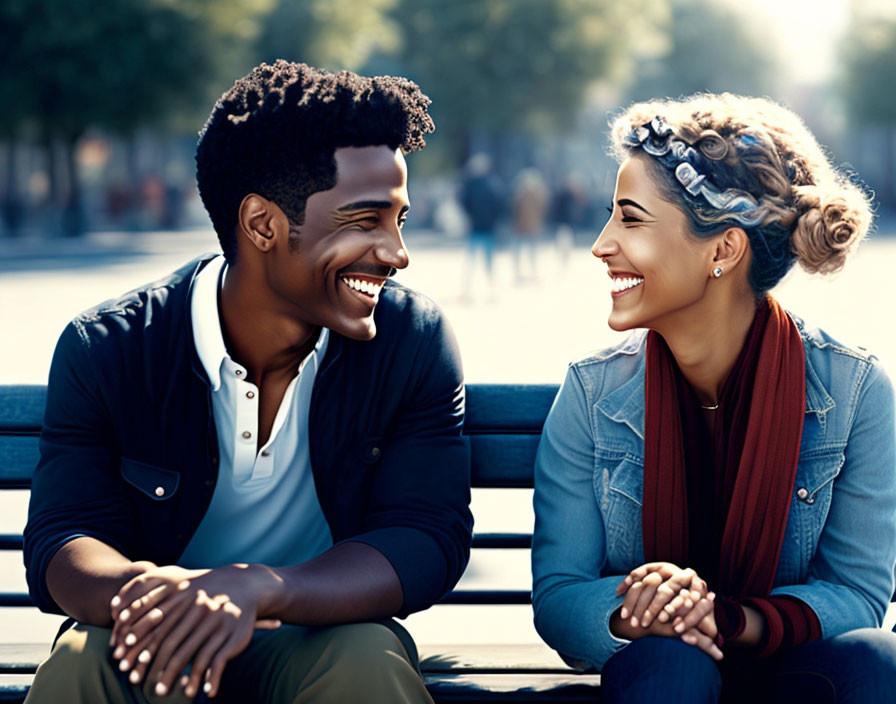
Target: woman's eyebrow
x=626, y=201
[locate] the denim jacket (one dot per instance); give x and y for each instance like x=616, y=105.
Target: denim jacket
x=839, y=546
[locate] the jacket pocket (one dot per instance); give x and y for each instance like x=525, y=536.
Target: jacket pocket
x=157, y=483
x=809, y=506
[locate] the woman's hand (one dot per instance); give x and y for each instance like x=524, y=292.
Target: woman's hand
x=704, y=634
x=662, y=591
x=697, y=628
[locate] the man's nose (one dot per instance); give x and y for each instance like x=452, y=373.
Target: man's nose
x=391, y=249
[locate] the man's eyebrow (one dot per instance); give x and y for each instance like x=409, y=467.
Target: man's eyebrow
x=365, y=205
x=626, y=201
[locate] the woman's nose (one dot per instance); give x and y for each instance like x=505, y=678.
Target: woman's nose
x=605, y=244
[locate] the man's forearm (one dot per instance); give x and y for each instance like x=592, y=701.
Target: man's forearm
x=85, y=574
x=350, y=582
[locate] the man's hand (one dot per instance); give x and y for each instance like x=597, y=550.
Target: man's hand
x=170, y=617
x=662, y=591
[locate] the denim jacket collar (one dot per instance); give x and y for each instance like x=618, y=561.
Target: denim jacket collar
x=626, y=404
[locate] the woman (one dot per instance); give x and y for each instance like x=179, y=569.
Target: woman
x=715, y=497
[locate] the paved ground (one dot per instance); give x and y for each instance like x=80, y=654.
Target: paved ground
x=523, y=331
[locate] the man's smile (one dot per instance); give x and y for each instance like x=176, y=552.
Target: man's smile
x=365, y=287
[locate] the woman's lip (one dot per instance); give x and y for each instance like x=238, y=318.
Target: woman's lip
x=617, y=294
x=623, y=274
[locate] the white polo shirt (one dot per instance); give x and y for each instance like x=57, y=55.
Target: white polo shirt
x=265, y=507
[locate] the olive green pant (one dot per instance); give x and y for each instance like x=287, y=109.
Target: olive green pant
x=359, y=662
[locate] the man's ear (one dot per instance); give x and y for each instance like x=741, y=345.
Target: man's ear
x=257, y=221
x=731, y=249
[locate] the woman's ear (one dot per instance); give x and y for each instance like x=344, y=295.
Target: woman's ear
x=257, y=221
x=731, y=249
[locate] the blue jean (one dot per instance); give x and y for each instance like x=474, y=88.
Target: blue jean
x=855, y=667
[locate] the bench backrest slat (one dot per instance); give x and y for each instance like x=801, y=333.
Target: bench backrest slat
x=18, y=458
x=22, y=407
x=503, y=423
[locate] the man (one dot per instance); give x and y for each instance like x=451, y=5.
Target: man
x=483, y=202
x=264, y=445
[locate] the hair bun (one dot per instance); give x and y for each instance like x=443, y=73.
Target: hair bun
x=712, y=145
x=833, y=220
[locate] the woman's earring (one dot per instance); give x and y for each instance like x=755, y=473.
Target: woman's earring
x=717, y=272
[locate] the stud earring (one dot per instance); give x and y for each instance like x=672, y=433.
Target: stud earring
x=717, y=272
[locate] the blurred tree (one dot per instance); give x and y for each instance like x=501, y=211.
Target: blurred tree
x=512, y=66
x=114, y=64
x=710, y=48
x=332, y=34
x=868, y=76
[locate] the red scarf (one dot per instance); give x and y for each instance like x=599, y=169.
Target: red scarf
x=766, y=467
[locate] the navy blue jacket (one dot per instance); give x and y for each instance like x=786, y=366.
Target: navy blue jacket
x=129, y=411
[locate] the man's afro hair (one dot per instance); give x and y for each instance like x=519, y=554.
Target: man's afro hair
x=274, y=133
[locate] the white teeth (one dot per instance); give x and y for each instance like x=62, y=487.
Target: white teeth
x=368, y=287
x=623, y=283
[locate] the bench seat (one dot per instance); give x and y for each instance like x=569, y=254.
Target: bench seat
x=453, y=673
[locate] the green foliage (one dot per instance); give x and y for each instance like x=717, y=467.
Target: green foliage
x=710, y=48
x=516, y=65
x=118, y=64
x=869, y=72
x=332, y=34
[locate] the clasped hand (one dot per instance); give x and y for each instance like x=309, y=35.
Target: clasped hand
x=170, y=617
x=665, y=600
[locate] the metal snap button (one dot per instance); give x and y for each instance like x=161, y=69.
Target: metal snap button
x=802, y=493
x=247, y=434
x=239, y=372
x=160, y=491
x=250, y=394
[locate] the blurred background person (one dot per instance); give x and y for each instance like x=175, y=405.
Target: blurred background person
x=570, y=210
x=482, y=199
x=530, y=207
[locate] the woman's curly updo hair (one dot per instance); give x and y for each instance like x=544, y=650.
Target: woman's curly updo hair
x=275, y=131
x=801, y=207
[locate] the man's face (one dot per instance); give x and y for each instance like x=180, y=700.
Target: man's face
x=350, y=243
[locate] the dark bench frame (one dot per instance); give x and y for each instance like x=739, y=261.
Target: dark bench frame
x=503, y=424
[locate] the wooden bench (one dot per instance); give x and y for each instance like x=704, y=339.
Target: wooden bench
x=503, y=423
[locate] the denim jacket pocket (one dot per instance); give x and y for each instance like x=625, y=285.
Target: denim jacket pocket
x=622, y=484
x=812, y=491
x=157, y=483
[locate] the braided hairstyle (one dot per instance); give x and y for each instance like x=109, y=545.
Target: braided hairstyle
x=763, y=171
x=275, y=131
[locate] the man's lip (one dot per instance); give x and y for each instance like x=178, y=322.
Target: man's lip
x=370, y=272
x=370, y=278
x=364, y=298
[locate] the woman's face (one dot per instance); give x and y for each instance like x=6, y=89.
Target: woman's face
x=659, y=271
